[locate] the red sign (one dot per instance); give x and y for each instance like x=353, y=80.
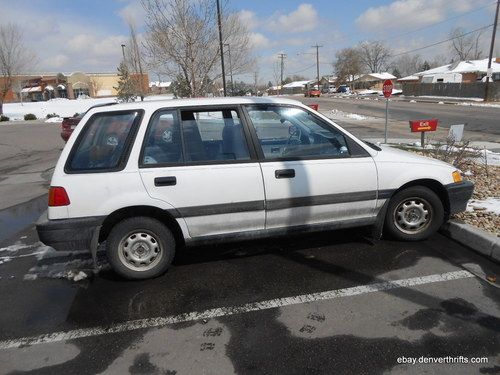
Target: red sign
x=313, y=106
x=424, y=125
x=387, y=88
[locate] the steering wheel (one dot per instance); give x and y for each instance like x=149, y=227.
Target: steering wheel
x=294, y=138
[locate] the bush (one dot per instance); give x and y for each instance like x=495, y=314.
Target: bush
x=29, y=116
x=50, y=115
x=4, y=118
x=76, y=114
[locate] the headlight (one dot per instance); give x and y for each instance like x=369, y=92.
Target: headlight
x=457, y=177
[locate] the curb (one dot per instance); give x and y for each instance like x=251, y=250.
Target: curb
x=474, y=238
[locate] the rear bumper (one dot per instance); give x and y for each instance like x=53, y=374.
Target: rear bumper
x=69, y=234
x=458, y=195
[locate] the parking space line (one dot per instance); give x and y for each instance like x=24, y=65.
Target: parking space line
x=232, y=310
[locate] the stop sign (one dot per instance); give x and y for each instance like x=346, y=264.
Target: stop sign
x=387, y=88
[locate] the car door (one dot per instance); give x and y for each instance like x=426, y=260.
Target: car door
x=313, y=173
x=199, y=161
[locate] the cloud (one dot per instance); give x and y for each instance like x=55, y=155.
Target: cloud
x=304, y=18
x=133, y=11
x=249, y=19
x=411, y=13
x=260, y=41
x=57, y=61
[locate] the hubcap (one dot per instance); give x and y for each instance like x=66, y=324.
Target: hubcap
x=413, y=215
x=140, y=251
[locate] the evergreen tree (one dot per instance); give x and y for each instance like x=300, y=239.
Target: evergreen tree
x=126, y=87
x=180, y=87
x=396, y=73
x=425, y=66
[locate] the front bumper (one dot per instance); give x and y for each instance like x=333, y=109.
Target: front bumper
x=69, y=234
x=458, y=195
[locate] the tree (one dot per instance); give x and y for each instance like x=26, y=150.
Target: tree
x=134, y=57
x=126, y=88
x=182, y=37
x=180, y=87
x=374, y=55
x=347, y=64
x=396, y=73
x=14, y=58
x=465, y=47
x=408, y=64
x=425, y=66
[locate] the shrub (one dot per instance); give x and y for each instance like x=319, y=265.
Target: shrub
x=4, y=118
x=76, y=114
x=29, y=116
x=50, y=115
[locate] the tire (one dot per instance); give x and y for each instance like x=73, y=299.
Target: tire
x=414, y=214
x=140, y=248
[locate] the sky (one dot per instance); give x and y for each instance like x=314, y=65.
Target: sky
x=86, y=35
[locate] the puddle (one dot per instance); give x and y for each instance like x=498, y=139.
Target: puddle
x=18, y=217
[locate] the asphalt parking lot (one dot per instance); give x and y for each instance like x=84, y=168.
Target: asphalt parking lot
x=318, y=304
x=324, y=303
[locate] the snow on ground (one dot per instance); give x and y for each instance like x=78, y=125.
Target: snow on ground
x=354, y=116
x=450, y=98
x=62, y=107
x=469, y=104
x=490, y=204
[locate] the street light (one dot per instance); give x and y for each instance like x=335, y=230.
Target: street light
x=230, y=68
x=123, y=52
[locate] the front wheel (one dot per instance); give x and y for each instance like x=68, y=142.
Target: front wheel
x=414, y=214
x=140, y=248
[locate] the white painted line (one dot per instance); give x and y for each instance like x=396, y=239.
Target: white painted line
x=232, y=310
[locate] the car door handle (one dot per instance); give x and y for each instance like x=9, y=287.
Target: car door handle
x=284, y=173
x=165, y=181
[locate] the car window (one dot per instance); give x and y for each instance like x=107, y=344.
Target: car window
x=102, y=142
x=213, y=135
x=287, y=132
x=162, y=144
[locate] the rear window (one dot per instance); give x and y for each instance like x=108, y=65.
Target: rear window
x=104, y=142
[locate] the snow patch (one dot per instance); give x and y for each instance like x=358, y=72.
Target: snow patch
x=353, y=116
x=16, y=247
x=489, y=204
x=54, y=119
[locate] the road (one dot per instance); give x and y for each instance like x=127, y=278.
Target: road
x=483, y=120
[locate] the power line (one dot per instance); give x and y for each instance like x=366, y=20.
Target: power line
x=441, y=42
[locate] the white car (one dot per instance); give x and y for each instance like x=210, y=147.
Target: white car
x=150, y=177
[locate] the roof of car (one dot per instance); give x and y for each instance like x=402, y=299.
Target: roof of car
x=155, y=104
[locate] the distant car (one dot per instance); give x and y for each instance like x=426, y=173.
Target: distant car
x=344, y=89
x=69, y=123
x=313, y=93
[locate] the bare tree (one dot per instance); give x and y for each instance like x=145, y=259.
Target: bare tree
x=465, y=47
x=347, y=65
x=14, y=58
x=134, y=60
x=182, y=38
x=408, y=64
x=374, y=55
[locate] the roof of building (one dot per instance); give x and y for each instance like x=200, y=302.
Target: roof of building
x=413, y=77
x=376, y=77
x=159, y=84
x=296, y=84
x=470, y=66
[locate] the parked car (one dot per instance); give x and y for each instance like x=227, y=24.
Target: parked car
x=69, y=123
x=344, y=89
x=313, y=93
x=147, y=178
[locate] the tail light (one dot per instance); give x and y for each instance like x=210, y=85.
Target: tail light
x=58, y=196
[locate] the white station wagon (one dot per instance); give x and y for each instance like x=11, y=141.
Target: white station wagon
x=150, y=177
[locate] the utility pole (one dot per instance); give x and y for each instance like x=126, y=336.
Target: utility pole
x=255, y=79
x=486, y=86
x=317, y=62
x=282, y=56
x=221, y=47
x=230, y=68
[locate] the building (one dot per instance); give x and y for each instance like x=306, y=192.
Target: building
x=160, y=87
x=39, y=87
x=470, y=71
x=373, y=81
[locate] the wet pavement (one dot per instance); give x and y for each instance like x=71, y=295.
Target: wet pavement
x=364, y=323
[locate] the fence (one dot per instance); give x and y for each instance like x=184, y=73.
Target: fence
x=456, y=90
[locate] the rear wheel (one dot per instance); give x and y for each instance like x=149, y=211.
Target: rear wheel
x=140, y=248
x=414, y=214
